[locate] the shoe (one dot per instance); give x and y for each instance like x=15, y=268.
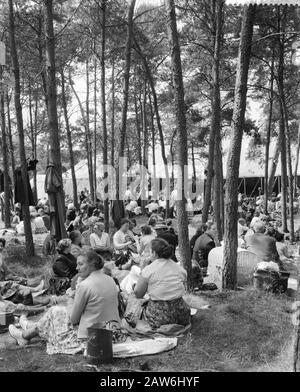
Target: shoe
x=16, y=334
x=23, y=321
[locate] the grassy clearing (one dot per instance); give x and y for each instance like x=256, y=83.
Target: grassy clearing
x=242, y=331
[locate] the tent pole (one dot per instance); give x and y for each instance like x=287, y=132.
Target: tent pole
x=244, y=186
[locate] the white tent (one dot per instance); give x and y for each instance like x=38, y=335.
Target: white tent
x=255, y=166
x=82, y=175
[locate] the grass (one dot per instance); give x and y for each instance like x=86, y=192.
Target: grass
x=242, y=331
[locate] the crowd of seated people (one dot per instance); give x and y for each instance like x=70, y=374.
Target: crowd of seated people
x=82, y=262
x=86, y=292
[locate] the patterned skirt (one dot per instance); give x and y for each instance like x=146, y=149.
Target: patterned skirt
x=158, y=313
x=61, y=336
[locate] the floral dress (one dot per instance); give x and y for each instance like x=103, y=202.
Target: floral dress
x=61, y=336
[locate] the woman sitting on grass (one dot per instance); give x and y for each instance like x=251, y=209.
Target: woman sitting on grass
x=145, y=245
x=65, y=328
x=65, y=263
x=100, y=241
x=164, y=281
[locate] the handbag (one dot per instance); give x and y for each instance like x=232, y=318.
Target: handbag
x=134, y=310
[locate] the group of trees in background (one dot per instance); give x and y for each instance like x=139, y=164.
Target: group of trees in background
x=151, y=77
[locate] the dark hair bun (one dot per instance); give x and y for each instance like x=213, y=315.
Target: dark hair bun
x=162, y=248
x=97, y=260
x=166, y=252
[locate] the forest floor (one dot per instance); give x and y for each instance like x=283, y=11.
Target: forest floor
x=244, y=331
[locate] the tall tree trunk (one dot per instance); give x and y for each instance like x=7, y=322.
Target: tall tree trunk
x=55, y=155
x=159, y=126
x=269, y=129
x=297, y=163
x=282, y=129
x=86, y=137
x=154, y=191
x=5, y=157
x=138, y=129
x=183, y=230
x=286, y=134
x=10, y=139
x=54, y=134
x=274, y=167
x=216, y=117
x=233, y=164
x=103, y=113
x=144, y=181
x=172, y=152
x=290, y=172
x=69, y=138
x=145, y=128
x=88, y=133
x=194, y=179
x=41, y=57
x=113, y=101
x=95, y=128
x=19, y=115
x=32, y=139
x=126, y=77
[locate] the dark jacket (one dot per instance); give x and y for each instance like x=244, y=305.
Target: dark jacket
x=204, y=244
x=65, y=266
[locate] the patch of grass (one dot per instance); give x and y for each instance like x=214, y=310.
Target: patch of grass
x=242, y=331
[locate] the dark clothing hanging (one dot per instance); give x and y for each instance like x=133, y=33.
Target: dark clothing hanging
x=53, y=187
x=118, y=212
x=19, y=189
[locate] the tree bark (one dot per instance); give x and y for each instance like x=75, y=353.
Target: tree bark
x=138, y=129
x=32, y=139
x=69, y=138
x=11, y=144
x=95, y=128
x=269, y=129
x=55, y=155
x=159, y=126
x=153, y=142
x=233, y=164
x=113, y=100
x=86, y=137
x=5, y=157
x=88, y=133
x=103, y=113
x=123, y=128
x=19, y=115
x=216, y=118
x=183, y=231
x=282, y=127
x=297, y=163
x=274, y=167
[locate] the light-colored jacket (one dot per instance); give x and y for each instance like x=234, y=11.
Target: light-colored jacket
x=96, y=302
